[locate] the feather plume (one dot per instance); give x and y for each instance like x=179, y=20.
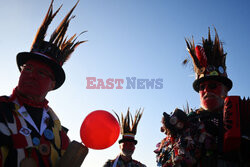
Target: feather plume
x=191, y=50
x=128, y=124
x=213, y=51
x=138, y=116
x=58, y=38
x=186, y=109
x=117, y=117
x=41, y=33
x=64, y=24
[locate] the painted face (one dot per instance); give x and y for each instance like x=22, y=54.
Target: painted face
x=212, y=94
x=127, y=148
x=36, y=79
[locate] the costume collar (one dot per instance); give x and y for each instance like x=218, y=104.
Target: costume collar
x=22, y=110
x=22, y=100
x=202, y=110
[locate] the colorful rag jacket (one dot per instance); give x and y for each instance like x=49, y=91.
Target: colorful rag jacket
x=21, y=143
x=201, y=143
x=118, y=162
x=175, y=151
x=208, y=133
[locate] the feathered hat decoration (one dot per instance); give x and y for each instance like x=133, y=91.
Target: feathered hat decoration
x=129, y=125
x=209, y=61
x=57, y=50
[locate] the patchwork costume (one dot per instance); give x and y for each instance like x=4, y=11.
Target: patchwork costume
x=222, y=138
x=118, y=162
x=22, y=140
x=174, y=149
x=30, y=132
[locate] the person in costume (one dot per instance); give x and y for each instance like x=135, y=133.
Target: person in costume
x=30, y=132
x=127, y=143
x=220, y=128
x=173, y=150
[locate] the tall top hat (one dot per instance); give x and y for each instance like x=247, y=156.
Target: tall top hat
x=209, y=61
x=55, y=51
x=129, y=125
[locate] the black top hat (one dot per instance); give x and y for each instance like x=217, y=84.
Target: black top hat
x=209, y=61
x=129, y=137
x=55, y=51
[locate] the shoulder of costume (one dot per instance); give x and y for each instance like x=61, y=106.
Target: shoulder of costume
x=109, y=162
x=52, y=114
x=194, y=114
x=199, y=110
x=200, y=113
x=138, y=163
x=65, y=129
x=56, y=119
x=6, y=108
x=4, y=99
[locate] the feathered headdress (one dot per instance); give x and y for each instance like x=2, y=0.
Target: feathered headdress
x=57, y=50
x=129, y=125
x=209, y=61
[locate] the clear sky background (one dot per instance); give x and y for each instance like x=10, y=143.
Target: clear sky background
x=128, y=38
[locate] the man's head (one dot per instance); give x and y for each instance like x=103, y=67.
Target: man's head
x=127, y=148
x=209, y=62
x=212, y=94
x=36, y=80
x=128, y=126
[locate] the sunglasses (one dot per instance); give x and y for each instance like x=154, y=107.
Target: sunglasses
x=209, y=86
x=40, y=72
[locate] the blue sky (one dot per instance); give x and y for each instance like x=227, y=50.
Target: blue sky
x=128, y=38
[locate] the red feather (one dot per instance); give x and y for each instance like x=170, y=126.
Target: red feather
x=200, y=54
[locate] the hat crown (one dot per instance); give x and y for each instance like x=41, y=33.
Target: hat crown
x=48, y=50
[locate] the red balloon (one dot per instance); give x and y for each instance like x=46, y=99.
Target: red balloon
x=99, y=130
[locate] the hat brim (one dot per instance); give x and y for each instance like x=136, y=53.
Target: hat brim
x=226, y=81
x=59, y=73
x=127, y=140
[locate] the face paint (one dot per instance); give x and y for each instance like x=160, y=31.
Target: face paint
x=127, y=148
x=211, y=94
x=36, y=79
